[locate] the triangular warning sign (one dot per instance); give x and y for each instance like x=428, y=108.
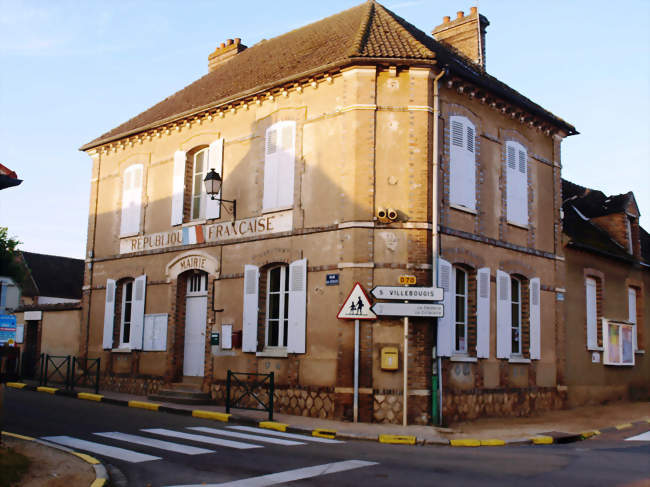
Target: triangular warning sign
x=357, y=306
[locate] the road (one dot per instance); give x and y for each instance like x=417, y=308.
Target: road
x=146, y=448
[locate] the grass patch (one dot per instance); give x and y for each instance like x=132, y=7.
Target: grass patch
x=13, y=466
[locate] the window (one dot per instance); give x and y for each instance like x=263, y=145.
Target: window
x=197, y=284
x=618, y=341
x=125, y=299
x=199, y=170
x=127, y=309
x=131, y=200
x=591, y=293
x=462, y=178
x=277, y=306
x=515, y=315
x=628, y=228
x=460, y=342
x=516, y=183
x=279, y=160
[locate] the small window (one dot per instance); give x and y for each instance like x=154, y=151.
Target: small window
x=460, y=345
x=197, y=284
x=127, y=313
x=277, y=306
x=199, y=170
x=515, y=305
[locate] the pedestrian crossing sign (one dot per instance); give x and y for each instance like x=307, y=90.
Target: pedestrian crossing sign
x=356, y=306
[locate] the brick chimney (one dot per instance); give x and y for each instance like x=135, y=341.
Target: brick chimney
x=224, y=52
x=466, y=33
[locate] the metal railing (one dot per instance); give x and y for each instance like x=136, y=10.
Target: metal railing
x=83, y=373
x=69, y=371
x=248, y=393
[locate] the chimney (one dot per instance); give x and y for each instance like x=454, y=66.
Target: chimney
x=224, y=52
x=466, y=33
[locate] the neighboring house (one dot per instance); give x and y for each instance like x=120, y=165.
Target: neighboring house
x=49, y=317
x=358, y=149
x=608, y=285
x=8, y=178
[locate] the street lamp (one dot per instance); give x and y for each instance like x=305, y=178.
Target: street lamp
x=212, y=183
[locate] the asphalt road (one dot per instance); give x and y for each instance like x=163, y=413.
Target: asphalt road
x=256, y=459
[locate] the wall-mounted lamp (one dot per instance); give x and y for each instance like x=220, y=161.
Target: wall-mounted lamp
x=212, y=183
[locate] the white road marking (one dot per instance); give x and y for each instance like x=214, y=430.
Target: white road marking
x=264, y=431
x=98, y=448
x=203, y=439
x=290, y=475
x=244, y=436
x=163, y=445
x=642, y=437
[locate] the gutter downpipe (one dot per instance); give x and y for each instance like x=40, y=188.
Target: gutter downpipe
x=434, y=224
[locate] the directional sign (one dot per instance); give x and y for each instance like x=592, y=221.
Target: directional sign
x=357, y=306
x=407, y=293
x=408, y=309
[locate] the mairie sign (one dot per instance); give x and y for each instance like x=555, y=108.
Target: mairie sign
x=407, y=293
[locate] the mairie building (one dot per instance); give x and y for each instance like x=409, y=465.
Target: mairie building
x=358, y=149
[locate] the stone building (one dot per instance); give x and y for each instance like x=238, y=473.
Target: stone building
x=358, y=149
x=608, y=285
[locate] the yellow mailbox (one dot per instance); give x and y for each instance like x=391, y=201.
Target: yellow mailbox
x=389, y=358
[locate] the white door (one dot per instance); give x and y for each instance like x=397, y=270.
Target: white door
x=196, y=303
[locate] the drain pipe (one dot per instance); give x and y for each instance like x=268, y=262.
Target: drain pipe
x=437, y=367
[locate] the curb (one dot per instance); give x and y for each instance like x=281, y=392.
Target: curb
x=540, y=439
x=101, y=474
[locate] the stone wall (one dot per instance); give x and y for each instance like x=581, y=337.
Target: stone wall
x=127, y=384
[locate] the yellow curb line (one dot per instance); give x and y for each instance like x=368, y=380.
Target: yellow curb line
x=21, y=437
x=86, y=458
x=197, y=413
x=49, y=390
x=144, y=405
x=324, y=433
x=623, y=426
x=397, y=439
x=16, y=385
x=542, y=440
x=465, y=442
x=493, y=442
x=589, y=434
x=98, y=483
x=272, y=425
x=89, y=397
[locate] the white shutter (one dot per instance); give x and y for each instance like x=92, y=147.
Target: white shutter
x=12, y=296
x=215, y=161
x=178, y=187
x=592, y=324
x=522, y=189
x=270, y=197
x=297, y=306
x=462, y=178
x=535, y=319
x=446, y=323
x=131, y=200
x=127, y=182
x=504, y=315
x=631, y=307
x=286, y=164
x=483, y=312
x=517, y=183
x=109, y=314
x=251, y=300
x=137, y=312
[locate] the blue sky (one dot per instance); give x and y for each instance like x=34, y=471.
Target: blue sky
x=71, y=70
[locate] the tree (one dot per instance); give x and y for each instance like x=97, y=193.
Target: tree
x=9, y=257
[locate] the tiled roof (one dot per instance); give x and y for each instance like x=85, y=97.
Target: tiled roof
x=593, y=203
x=366, y=32
x=55, y=276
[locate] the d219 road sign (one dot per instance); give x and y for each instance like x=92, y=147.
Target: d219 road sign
x=408, y=309
x=407, y=293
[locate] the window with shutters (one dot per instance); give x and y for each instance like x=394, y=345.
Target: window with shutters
x=462, y=166
x=460, y=311
x=515, y=316
x=279, y=160
x=126, y=314
x=200, y=168
x=277, y=306
x=131, y=200
x=516, y=183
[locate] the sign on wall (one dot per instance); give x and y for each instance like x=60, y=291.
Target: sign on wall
x=618, y=341
x=8, y=330
x=155, y=333
x=210, y=233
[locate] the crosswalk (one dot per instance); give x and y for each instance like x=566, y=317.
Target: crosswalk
x=236, y=437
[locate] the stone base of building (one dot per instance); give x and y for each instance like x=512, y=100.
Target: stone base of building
x=142, y=386
x=388, y=407
x=481, y=403
x=600, y=394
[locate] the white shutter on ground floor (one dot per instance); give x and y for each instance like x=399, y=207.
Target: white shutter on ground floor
x=137, y=312
x=535, y=319
x=445, y=324
x=483, y=312
x=250, y=314
x=178, y=187
x=109, y=315
x=504, y=315
x=297, y=306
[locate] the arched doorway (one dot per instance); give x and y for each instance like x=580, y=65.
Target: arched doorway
x=196, y=307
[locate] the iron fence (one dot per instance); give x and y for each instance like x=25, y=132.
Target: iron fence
x=247, y=390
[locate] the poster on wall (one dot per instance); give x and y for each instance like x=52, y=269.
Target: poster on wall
x=8, y=330
x=618, y=343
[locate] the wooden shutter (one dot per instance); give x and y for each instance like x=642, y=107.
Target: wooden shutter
x=504, y=315
x=446, y=323
x=631, y=310
x=178, y=187
x=297, y=306
x=462, y=179
x=127, y=182
x=270, y=197
x=592, y=323
x=215, y=161
x=137, y=312
x=109, y=315
x=131, y=200
x=517, y=183
x=251, y=300
x=286, y=163
x=535, y=317
x=483, y=312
